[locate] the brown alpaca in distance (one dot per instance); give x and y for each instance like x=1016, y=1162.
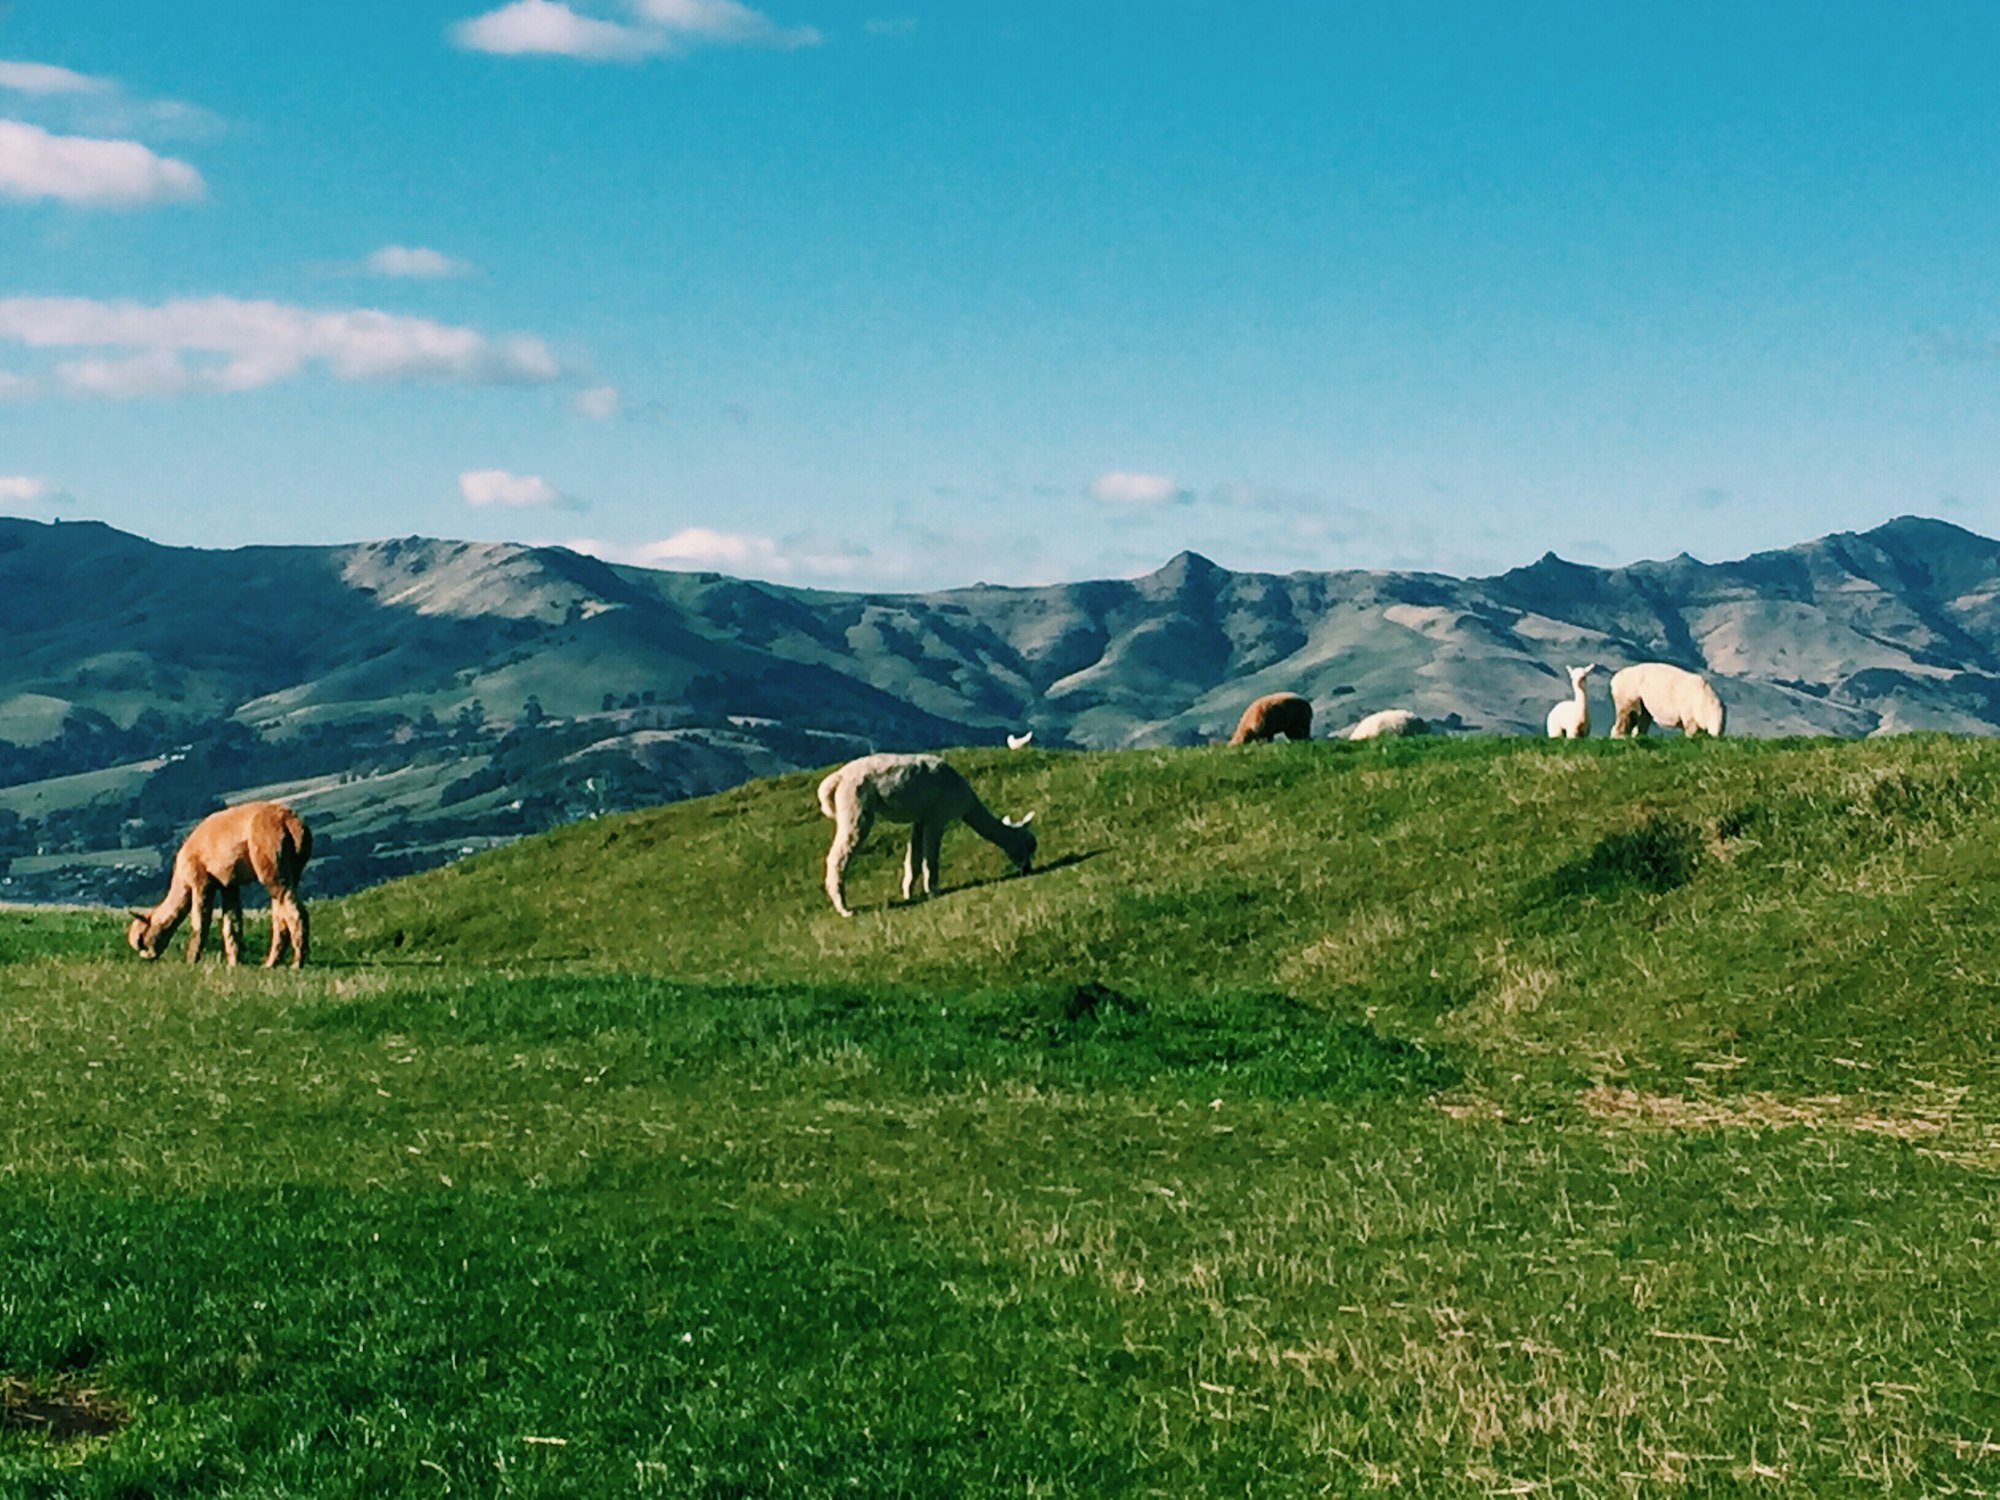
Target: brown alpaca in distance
x=261, y=840
x=1272, y=715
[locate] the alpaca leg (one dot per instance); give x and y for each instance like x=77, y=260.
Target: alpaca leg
x=913, y=859
x=933, y=842
x=848, y=832
x=281, y=921
x=288, y=921
x=198, y=911
x=231, y=900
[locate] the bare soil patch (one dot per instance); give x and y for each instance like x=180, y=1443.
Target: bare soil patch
x=61, y=1408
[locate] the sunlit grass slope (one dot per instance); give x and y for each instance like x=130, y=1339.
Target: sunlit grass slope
x=1606, y=909
x=1455, y=1119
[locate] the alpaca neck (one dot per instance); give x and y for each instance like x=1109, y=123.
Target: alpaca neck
x=1015, y=843
x=168, y=914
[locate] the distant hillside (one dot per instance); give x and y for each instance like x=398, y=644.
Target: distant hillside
x=428, y=697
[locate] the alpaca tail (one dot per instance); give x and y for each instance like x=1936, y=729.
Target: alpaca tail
x=295, y=847
x=826, y=789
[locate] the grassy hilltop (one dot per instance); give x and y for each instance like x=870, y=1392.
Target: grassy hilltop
x=1464, y=1117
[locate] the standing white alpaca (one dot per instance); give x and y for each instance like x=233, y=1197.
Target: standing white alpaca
x=1659, y=692
x=1570, y=720
x=924, y=792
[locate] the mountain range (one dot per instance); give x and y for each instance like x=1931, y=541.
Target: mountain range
x=429, y=696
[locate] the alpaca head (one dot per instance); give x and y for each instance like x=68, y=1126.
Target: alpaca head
x=1709, y=715
x=1019, y=741
x=1578, y=674
x=143, y=939
x=1023, y=842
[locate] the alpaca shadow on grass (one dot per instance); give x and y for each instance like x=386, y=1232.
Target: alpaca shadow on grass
x=1063, y=863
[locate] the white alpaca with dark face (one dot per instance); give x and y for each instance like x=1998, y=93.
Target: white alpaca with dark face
x=924, y=792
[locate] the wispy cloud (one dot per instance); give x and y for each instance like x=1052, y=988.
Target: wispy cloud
x=225, y=344
x=546, y=28
x=551, y=28
x=415, y=261
x=16, y=387
x=1122, y=487
x=28, y=495
x=22, y=489
x=95, y=105
x=800, y=559
x=513, y=491
x=722, y=22
x=89, y=171
x=600, y=403
x=46, y=78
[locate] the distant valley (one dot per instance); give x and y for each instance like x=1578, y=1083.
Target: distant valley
x=418, y=699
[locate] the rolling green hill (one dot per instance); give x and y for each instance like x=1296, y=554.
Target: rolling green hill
x=513, y=688
x=1622, y=907
x=1480, y=1116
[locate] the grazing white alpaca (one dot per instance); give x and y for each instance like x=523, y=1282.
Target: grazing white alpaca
x=1272, y=715
x=1019, y=741
x=1659, y=692
x=1387, y=724
x=1571, y=720
x=924, y=792
x=261, y=840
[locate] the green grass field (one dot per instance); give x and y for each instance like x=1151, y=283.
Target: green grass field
x=1458, y=1118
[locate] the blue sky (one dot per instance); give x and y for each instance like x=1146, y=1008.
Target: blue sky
x=902, y=294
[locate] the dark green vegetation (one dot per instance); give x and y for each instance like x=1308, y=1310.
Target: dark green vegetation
x=420, y=699
x=1463, y=1117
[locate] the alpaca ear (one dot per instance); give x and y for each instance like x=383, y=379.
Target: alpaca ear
x=1019, y=822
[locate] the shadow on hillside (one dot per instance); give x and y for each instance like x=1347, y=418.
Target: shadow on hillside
x=1064, y=863
x=1658, y=856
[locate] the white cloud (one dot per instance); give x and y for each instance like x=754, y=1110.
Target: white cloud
x=156, y=372
x=15, y=387
x=552, y=28
x=725, y=22
x=86, y=170
x=414, y=261
x=547, y=28
x=47, y=78
x=513, y=491
x=1119, y=487
x=600, y=403
x=91, y=105
x=22, y=489
x=226, y=344
x=700, y=548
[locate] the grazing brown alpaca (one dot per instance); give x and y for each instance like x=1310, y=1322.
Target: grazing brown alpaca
x=260, y=840
x=1272, y=715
